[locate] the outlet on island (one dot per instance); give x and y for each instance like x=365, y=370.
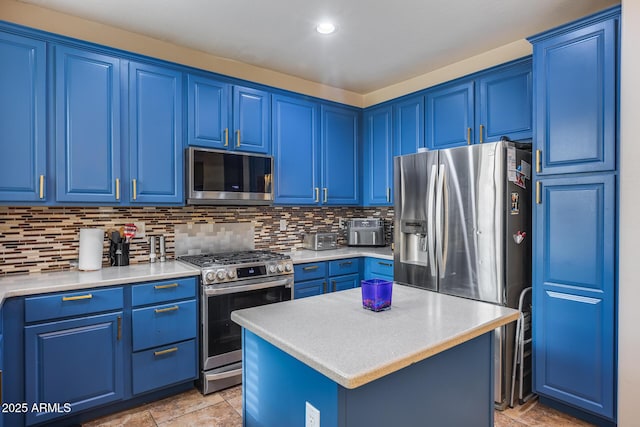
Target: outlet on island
x=312, y=416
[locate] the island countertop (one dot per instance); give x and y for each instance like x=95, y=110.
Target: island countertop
x=353, y=346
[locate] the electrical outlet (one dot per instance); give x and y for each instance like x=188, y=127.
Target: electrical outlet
x=312, y=416
x=341, y=223
x=283, y=225
x=140, y=229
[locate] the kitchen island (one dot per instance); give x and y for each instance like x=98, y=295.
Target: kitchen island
x=426, y=361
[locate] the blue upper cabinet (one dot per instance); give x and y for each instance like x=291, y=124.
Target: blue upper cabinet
x=207, y=112
x=450, y=116
x=23, y=137
x=408, y=125
x=251, y=120
x=504, y=104
x=87, y=126
x=296, y=150
x=227, y=117
x=339, y=138
x=574, y=291
x=155, y=134
x=576, y=99
x=378, y=157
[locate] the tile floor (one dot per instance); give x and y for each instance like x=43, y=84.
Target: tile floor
x=224, y=409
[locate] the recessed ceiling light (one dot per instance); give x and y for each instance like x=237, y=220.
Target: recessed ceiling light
x=325, y=28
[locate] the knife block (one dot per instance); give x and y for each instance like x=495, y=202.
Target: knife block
x=119, y=254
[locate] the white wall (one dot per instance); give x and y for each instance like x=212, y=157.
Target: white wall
x=629, y=279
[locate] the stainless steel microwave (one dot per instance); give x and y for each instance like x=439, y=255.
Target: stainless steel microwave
x=216, y=177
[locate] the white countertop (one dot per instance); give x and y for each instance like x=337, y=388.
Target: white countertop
x=39, y=283
x=301, y=256
x=352, y=346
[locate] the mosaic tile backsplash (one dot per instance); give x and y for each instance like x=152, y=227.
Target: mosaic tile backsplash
x=38, y=239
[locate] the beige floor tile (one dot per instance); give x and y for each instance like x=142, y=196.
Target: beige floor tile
x=131, y=418
x=218, y=415
x=539, y=415
x=181, y=404
x=501, y=420
x=233, y=396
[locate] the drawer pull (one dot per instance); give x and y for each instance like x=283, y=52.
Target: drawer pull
x=333, y=282
x=386, y=264
x=119, y=328
x=167, y=351
x=164, y=310
x=324, y=287
x=342, y=264
x=170, y=285
x=310, y=268
x=77, y=297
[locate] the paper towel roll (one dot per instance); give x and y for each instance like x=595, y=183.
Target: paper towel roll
x=91, y=240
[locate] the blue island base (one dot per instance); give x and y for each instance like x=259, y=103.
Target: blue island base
x=452, y=388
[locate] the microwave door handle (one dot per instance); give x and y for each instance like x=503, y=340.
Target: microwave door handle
x=213, y=291
x=430, y=220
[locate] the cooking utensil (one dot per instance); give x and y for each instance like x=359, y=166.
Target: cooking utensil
x=129, y=231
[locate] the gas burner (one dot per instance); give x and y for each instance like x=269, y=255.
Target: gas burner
x=225, y=267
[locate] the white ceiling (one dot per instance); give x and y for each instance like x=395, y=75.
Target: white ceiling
x=378, y=42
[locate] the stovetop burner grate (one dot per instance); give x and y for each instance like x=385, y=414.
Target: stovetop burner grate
x=229, y=258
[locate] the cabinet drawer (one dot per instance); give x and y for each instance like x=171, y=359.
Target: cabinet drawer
x=344, y=266
x=163, y=324
x=163, y=366
x=72, y=304
x=309, y=289
x=315, y=270
x=167, y=290
x=379, y=267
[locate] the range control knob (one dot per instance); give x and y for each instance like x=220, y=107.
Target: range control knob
x=210, y=276
x=272, y=269
x=288, y=267
x=221, y=274
x=280, y=268
x=231, y=274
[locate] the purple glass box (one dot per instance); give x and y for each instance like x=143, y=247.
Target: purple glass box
x=376, y=294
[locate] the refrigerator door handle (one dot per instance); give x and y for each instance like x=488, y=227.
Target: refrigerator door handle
x=439, y=221
x=430, y=220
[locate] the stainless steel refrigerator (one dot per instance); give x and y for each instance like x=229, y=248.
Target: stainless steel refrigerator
x=462, y=227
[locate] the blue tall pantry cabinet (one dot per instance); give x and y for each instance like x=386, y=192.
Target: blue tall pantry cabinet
x=23, y=148
x=575, y=215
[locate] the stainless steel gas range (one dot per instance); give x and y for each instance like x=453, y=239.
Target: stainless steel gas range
x=233, y=281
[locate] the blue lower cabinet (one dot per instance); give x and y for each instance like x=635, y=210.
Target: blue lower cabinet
x=309, y=288
x=163, y=366
x=76, y=364
x=167, y=323
x=340, y=283
x=375, y=268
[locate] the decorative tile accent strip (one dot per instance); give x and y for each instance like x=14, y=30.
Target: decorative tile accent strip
x=38, y=239
x=195, y=239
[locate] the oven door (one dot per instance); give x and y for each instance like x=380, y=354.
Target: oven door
x=222, y=338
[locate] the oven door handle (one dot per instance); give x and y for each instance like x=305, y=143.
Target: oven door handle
x=212, y=291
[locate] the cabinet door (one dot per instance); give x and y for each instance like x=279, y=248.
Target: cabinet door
x=251, y=119
x=87, y=126
x=574, y=292
x=339, y=138
x=449, y=120
x=22, y=119
x=207, y=112
x=295, y=151
x=504, y=104
x=340, y=283
x=155, y=134
x=408, y=123
x=576, y=100
x=375, y=268
x=378, y=158
x=310, y=288
x=77, y=361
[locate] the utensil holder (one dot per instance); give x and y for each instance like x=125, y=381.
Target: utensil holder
x=119, y=254
x=376, y=294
